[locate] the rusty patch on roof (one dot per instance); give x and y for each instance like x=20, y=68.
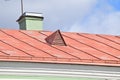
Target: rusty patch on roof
x=56, y=38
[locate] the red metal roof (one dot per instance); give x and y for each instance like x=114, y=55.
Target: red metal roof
x=82, y=48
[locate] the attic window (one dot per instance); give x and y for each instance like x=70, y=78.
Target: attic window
x=56, y=38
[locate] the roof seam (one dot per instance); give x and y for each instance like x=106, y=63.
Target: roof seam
x=79, y=49
x=62, y=50
x=35, y=47
x=98, y=42
x=17, y=48
x=4, y=53
x=117, y=37
x=108, y=39
x=18, y=40
x=92, y=47
x=84, y=52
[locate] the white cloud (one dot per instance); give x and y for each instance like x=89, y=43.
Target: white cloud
x=112, y=23
x=61, y=14
x=108, y=25
x=103, y=20
x=91, y=16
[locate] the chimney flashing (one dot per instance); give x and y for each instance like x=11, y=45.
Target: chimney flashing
x=30, y=14
x=33, y=14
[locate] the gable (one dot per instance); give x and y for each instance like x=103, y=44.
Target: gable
x=56, y=39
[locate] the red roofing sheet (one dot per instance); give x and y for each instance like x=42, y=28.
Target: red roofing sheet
x=31, y=46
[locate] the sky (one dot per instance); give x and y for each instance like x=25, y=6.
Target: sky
x=84, y=16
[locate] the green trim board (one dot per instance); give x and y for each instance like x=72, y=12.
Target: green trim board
x=16, y=77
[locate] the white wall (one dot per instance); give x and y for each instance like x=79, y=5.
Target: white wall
x=22, y=68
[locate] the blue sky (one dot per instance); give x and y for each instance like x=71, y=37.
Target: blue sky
x=86, y=16
x=115, y=4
